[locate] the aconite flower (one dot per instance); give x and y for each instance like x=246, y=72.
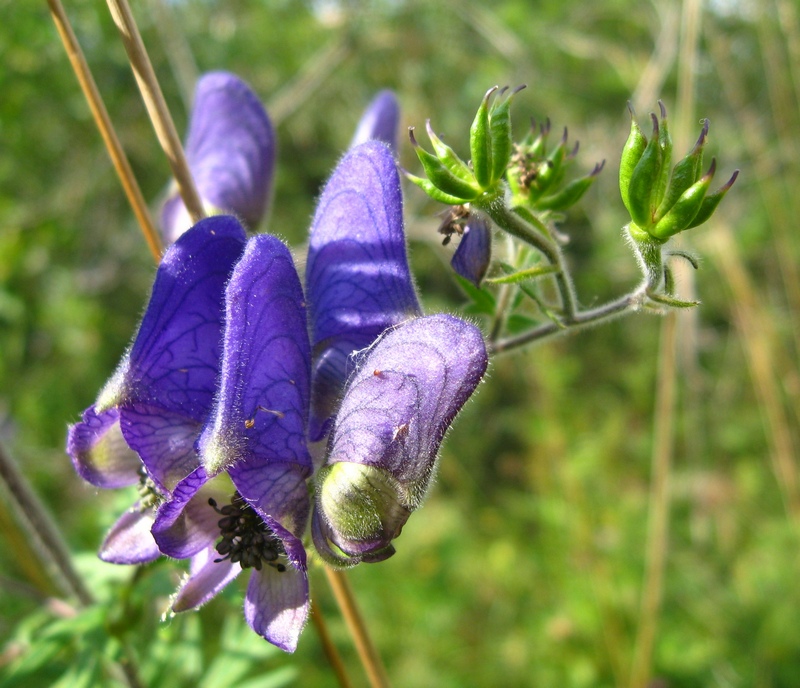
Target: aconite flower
x=246, y=506
x=397, y=407
x=474, y=253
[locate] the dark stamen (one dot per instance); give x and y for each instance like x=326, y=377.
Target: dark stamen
x=246, y=539
x=149, y=496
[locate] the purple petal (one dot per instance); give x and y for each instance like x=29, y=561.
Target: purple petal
x=409, y=387
x=357, y=279
x=129, y=541
x=474, y=252
x=261, y=410
x=99, y=451
x=164, y=440
x=276, y=605
x=187, y=524
x=207, y=577
x=174, y=359
x=230, y=149
x=347, y=552
x=379, y=121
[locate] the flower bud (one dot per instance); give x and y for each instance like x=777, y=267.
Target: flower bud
x=450, y=179
x=396, y=409
x=631, y=154
x=685, y=173
x=663, y=203
x=446, y=172
x=644, y=179
x=684, y=210
x=535, y=175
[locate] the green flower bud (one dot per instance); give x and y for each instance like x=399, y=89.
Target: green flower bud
x=571, y=193
x=500, y=130
x=665, y=145
x=685, y=173
x=428, y=187
x=448, y=156
x=453, y=180
x=535, y=174
x=661, y=208
x=644, y=180
x=442, y=176
x=480, y=141
x=681, y=214
x=631, y=154
x=711, y=202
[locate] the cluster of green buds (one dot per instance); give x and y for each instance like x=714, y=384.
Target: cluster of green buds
x=451, y=180
x=663, y=203
x=536, y=174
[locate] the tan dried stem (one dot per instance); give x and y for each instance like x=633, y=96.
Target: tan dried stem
x=659, y=503
x=370, y=659
x=334, y=659
x=103, y=121
x=156, y=106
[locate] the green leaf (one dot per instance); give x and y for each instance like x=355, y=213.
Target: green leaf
x=483, y=300
x=525, y=275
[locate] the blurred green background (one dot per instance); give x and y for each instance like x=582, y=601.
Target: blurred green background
x=584, y=530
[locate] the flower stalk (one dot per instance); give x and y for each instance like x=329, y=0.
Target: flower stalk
x=370, y=659
x=106, y=128
x=522, y=188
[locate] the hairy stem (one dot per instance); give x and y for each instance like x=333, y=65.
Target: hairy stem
x=613, y=309
x=505, y=218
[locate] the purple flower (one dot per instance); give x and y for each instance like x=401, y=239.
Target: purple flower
x=397, y=406
x=357, y=278
x=219, y=417
x=247, y=505
x=379, y=122
x=474, y=252
x=230, y=149
x=143, y=426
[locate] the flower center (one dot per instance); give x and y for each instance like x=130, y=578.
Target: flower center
x=246, y=539
x=149, y=496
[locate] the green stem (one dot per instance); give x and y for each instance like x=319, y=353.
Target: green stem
x=613, y=309
x=505, y=218
x=42, y=533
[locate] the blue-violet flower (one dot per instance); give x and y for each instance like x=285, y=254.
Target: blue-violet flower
x=257, y=433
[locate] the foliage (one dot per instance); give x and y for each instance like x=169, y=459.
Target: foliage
x=525, y=566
